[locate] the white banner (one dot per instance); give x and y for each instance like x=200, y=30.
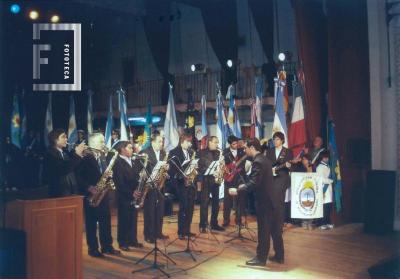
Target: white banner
x=307, y=195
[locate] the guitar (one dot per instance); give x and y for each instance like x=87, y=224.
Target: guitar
x=232, y=169
x=282, y=166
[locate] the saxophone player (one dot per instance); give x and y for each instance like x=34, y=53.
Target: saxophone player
x=91, y=168
x=209, y=185
x=153, y=209
x=179, y=159
x=126, y=179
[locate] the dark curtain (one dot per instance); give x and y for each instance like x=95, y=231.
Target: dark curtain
x=220, y=21
x=349, y=96
x=263, y=16
x=312, y=48
x=157, y=29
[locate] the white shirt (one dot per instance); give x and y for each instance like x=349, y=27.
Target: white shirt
x=277, y=151
x=234, y=152
x=186, y=153
x=324, y=171
x=128, y=160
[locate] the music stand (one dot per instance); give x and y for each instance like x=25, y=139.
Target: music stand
x=155, y=249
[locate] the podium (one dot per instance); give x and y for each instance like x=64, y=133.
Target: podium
x=53, y=229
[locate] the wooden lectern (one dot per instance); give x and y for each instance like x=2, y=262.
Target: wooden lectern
x=53, y=230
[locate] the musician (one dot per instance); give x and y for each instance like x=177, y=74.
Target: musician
x=59, y=166
x=208, y=185
x=154, y=198
x=315, y=151
x=232, y=154
x=89, y=172
x=260, y=182
x=126, y=179
x=279, y=156
x=179, y=159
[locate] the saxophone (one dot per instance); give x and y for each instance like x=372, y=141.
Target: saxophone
x=191, y=172
x=162, y=174
x=143, y=186
x=219, y=172
x=104, y=184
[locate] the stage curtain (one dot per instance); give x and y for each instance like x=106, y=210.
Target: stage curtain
x=312, y=48
x=157, y=28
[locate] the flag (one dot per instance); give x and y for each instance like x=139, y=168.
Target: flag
x=72, y=130
x=204, y=130
x=16, y=123
x=109, y=124
x=123, y=116
x=297, y=130
x=222, y=125
x=147, y=127
x=253, y=129
x=279, y=124
x=233, y=118
x=90, y=113
x=282, y=78
x=48, y=122
x=24, y=128
x=190, y=120
x=335, y=166
x=258, y=108
x=170, y=124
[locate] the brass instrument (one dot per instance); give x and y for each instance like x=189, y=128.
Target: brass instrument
x=143, y=186
x=162, y=174
x=104, y=184
x=191, y=172
x=219, y=172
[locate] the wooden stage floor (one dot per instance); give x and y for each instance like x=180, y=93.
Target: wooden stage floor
x=344, y=252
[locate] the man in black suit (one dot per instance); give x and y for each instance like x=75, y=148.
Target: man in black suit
x=59, y=166
x=279, y=157
x=232, y=154
x=260, y=181
x=126, y=179
x=179, y=160
x=154, y=198
x=89, y=172
x=208, y=185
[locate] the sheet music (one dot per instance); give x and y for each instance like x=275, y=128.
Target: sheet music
x=155, y=171
x=193, y=164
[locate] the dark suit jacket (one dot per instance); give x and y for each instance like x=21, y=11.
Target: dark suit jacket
x=59, y=173
x=152, y=161
x=282, y=180
x=126, y=179
x=88, y=173
x=176, y=157
x=261, y=182
x=206, y=157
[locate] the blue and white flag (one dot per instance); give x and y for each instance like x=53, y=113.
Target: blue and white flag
x=204, y=130
x=109, y=124
x=90, y=113
x=279, y=124
x=233, y=118
x=222, y=125
x=72, y=130
x=170, y=124
x=123, y=116
x=48, y=122
x=258, y=107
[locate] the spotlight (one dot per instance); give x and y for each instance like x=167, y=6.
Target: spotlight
x=197, y=67
x=55, y=18
x=33, y=15
x=229, y=63
x=15, y=8
x=281, y=57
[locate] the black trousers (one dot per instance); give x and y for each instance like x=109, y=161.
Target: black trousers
x=153, y=213
x=209, y=186
x=127, y=223
x=229, y=200
x=186, y=196
x=100, y=214
x=276, y=223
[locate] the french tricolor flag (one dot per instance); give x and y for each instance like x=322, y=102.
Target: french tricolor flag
x=297, y=130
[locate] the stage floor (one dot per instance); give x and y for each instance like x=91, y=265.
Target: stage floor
x=344, y=252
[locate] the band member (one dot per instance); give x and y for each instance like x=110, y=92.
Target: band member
x=279, y=157
x=260, y=181
x=59, y=166
x=89, y=172
x=153, y=217
x=180, y=158
x=126, y=179
x=208, y=185
x=233, y=154
x=315, y=150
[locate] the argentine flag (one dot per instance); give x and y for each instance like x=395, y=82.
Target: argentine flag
x=279, y=124
x=72, y=130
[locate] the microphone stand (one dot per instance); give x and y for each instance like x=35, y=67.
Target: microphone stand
x=239, y=225
x=156, y=250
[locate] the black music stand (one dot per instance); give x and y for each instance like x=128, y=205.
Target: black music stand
x=155, y=250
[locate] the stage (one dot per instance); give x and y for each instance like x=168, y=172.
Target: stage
x=344, y=252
